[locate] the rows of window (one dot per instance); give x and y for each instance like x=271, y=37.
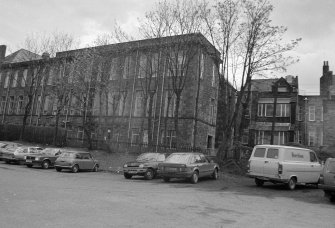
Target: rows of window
x=310, y=114
x=264, y=137
x=266, y=110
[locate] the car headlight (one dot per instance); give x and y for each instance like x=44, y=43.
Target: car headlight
x=25, y=157
x=125, y=166
x=141, y=166
x=37, y=158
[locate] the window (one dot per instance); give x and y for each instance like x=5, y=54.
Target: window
x=170, y=138
x=265, y=110
x=154, y=64
x=153, y=105
x=202, y=65
x=142, y=71
x=283, y=110
x=3, y=104
x=47, y=105
x=176, y=64
x=99, y=73
x=280, y=137
x=16, y=75
x=259, y=153
x=139, y=104
x=24, y=78
x=313, y=157
x=282, y=89
x=321, y=114
x=6, y=80
x=213, y=75
x=311, y=113
x=38, y=105
x=209, y=141
x=113, y=70
x=80, y=134
x=19, y=108
x=311, y=138
x=135, y=136
x=300, y=113
x=11, y=105
x=212, y=110
x=170, y=103
x=0, y=77
x=272, y=153
x=126, y=67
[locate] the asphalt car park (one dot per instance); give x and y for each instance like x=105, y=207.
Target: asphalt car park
x=37, y=197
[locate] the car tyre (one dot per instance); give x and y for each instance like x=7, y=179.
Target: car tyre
x=149, y=174
x=215, y=174
x=127, y=175
x=58, y=169
x=195, y=177
x=29, y=165
x=259, y=182
x=166, y=179
x=96, y=168
x=45, y=164
x=75, y=169
x=292, y=183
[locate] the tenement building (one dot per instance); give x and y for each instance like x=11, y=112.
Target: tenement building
x=157, y=91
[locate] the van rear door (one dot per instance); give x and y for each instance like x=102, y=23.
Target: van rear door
x=257, y=161
x=315, y=168
x=271, y=163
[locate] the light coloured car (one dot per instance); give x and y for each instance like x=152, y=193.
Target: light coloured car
x=190, y=166
x=18, y=156
x=7, y=148
x=76, y=161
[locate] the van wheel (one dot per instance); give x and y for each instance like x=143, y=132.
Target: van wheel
x=259, y=182
x=292, y=183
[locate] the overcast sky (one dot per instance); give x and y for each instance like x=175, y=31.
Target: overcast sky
x=311, y=20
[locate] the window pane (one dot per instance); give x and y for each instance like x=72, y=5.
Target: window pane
x=269, y=110
x=259, y=152
x=272, y=153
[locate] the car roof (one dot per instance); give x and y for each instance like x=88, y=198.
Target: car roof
x=281, y=146
x=189, y=153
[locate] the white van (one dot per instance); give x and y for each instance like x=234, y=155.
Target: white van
x=284, y=164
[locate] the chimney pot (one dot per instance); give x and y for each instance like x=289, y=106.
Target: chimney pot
x=2, y=52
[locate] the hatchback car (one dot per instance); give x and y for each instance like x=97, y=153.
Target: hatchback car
x=327, y=179
x=45, y=159
x=188, y=165
x=146, y=165
x=76, y=161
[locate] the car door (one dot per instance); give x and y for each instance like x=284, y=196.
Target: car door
x=314, y=169
x=256, y=161
x=270, y=168
x=87, y=161
x=329, y=172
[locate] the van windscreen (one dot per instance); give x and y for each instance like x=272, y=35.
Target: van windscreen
x=331, y=167
x=259, y=152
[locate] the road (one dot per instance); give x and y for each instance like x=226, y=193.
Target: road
x=46, y=198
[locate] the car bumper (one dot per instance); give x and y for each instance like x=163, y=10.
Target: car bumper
x=271, y=179
x=64, y=166
x=175, y=174
x=135, y=171
x=327, y=188
x=33, y=162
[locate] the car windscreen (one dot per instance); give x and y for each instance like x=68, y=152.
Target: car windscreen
x=147, y=157
x=67, y=155
x=50, y=151
x=179, y=158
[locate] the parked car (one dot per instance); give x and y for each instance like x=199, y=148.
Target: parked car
x=7, y=148
x=327, y=179
x=76, y=161
x=45, y=159
x=18, y=156
x=188, y=165
x=284, y=164
x=146, y=165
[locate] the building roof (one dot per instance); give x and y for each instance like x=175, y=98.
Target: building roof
x=21, y=55
x=262, y=85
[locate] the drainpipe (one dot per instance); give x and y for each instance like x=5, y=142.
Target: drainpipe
x=160, y=108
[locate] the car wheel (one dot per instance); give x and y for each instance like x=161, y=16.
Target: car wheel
x=29, y=165
x=166, y=179
x=259, y=182
x=292, y=183
x=7, y=162
x=96, y=168
x=149, y=174
x=75, y=169
x=45, y=164
x=215, y=174
x=127, y=175
x=332, y=199
x=195, y=177
x=58, y=169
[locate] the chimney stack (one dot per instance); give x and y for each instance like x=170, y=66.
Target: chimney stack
x=2, y=52
x=325, y=67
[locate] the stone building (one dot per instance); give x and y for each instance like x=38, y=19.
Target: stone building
x=129, y=91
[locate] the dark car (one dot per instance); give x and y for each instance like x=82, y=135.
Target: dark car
x=327, y=179
x=45, y=159
x=145, y=165
x=76, y=161
x=188, y=165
